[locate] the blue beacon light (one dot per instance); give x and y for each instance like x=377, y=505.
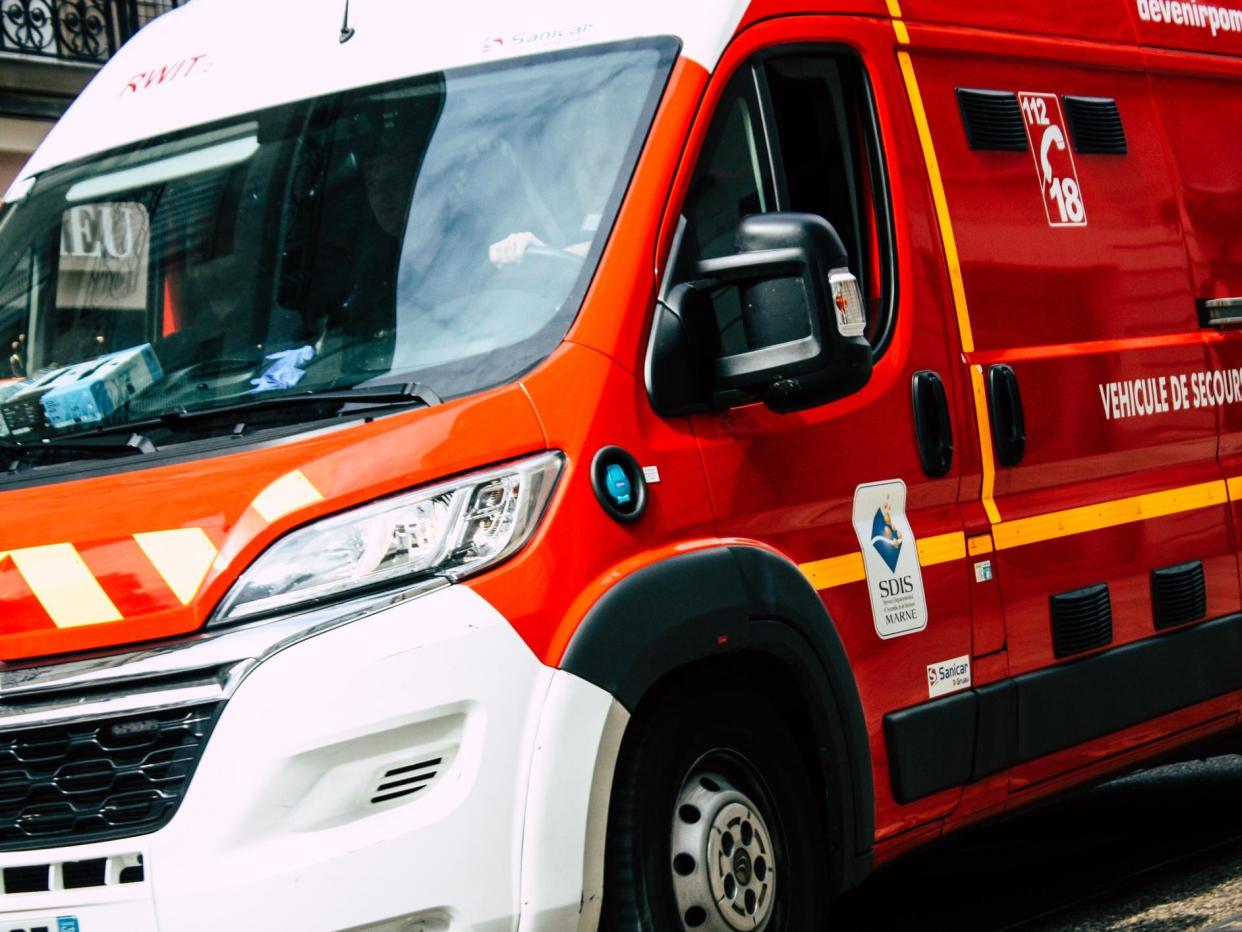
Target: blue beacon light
x=620, y=490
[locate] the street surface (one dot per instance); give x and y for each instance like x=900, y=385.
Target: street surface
x=1155, y=851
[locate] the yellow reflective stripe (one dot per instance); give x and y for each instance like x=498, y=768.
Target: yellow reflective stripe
x=64, y=585
x=956, y=283
x=941, y=202
x=848, y=568
x=977, y=546
x=944, y=548
x=182, y=557
x=1017, y=533
x=835, y=571
x=903, y=34
x=984, y=424
x=286, y=495
x=1235, y=487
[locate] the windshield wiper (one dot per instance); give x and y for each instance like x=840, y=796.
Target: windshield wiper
x=132, y=444
x=411, y=393
x=130, y=439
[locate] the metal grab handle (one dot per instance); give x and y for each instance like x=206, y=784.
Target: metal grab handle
x=1220, y=312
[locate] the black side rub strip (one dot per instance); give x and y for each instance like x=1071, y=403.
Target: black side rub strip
x=973, y=734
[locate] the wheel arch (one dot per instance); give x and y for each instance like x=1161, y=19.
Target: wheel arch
x=713, y=605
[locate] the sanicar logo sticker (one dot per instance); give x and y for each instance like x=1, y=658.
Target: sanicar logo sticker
x=890, y=558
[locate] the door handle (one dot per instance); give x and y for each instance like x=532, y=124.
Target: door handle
x=932, y=428
x=1008, y=422
x=1220, y=312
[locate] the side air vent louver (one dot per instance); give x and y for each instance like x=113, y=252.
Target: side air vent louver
x=1081, y=620
x=1178, y=595
x=406, y=780
x=993, y=120
x=1095, y=124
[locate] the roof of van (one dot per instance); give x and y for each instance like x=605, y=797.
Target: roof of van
x=212, y=59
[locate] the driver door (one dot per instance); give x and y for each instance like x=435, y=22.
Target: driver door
x=843, y=489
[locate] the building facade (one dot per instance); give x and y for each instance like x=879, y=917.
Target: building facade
x=49, y=50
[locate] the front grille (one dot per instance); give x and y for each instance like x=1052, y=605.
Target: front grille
x=104, y=778
x=72, y=875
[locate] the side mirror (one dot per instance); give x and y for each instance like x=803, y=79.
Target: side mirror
x=801, y=313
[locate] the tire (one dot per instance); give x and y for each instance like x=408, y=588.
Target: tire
x=714, y=823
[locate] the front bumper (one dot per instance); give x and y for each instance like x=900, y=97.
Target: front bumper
x=375, y=775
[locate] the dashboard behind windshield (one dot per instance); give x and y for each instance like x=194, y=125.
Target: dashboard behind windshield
x=441, y=230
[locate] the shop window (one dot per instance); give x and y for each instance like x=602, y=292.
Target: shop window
x=102, y=280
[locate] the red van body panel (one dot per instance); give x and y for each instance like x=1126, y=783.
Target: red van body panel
x=1114, y=483
x=402, y=451
x=1105, y=21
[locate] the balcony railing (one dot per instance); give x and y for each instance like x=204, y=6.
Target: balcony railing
x=74, y=30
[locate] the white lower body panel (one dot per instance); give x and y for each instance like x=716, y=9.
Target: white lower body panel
x=376, y=776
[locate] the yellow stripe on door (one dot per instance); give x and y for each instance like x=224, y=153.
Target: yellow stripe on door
x=983, y=421
x=945, y=548
x=64, y=585
x=848, y=568
x=1234, y=486
x=940, y=201
x=977, y=546
x=835, y=571
x=1022, y=531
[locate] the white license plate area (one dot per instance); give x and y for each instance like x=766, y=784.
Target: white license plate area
x=41, y=924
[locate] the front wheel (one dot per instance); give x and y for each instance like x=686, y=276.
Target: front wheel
x=714, y=823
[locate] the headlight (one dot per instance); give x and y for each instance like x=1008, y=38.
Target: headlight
x=452, y=529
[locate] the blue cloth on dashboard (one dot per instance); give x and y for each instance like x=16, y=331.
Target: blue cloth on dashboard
x=284, y=371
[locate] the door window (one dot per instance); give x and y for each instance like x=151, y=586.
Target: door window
x=792, y=132
x=733, y=179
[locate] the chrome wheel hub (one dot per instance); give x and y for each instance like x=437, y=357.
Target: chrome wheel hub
x=723, y=867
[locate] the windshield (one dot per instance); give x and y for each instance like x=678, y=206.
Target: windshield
x=440, y=230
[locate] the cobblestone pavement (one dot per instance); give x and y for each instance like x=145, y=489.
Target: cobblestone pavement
x=1158, y=850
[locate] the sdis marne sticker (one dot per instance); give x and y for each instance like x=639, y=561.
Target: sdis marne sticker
x=890, y=558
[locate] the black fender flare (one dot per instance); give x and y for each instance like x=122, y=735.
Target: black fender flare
x=702, y=604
